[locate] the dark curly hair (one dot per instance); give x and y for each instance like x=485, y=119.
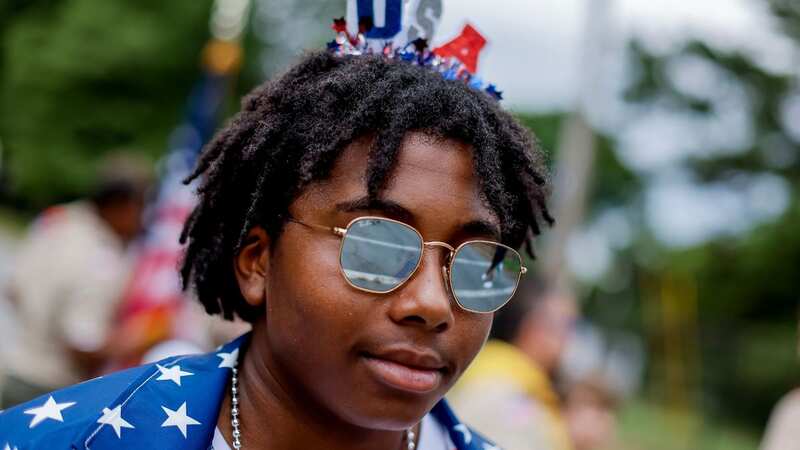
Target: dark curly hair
x=291, y=130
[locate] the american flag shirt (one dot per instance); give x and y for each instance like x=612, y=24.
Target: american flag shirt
x=169, y=405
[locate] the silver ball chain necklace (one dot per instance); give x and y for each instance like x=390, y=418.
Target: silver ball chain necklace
x=410, y=436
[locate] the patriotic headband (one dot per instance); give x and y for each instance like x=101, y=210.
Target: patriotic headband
x=402, y=31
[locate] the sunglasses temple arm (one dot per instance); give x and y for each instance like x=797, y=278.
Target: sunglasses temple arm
x=335, y=230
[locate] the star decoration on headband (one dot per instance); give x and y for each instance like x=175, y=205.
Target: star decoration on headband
x=455, y=60
x=339, y=25
x=492, y=90
x=420, y=44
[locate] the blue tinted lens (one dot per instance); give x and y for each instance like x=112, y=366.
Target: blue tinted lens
x=379, y=254
x=484, y=276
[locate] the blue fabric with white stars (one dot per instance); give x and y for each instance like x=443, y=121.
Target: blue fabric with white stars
x=172, y=404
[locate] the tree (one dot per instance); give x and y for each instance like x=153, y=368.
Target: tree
x=745, y=284
x=83, y=77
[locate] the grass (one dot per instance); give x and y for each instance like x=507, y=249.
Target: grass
x=645, y=425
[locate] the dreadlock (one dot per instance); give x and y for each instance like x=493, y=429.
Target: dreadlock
x=291, y=130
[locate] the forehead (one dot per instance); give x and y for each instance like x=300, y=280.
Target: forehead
x=434, y=178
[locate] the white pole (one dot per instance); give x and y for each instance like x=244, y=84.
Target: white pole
x=576, y=151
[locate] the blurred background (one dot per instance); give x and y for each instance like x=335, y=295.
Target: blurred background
x=672, y=127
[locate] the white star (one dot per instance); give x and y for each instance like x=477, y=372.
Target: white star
x=229, y=359
x=461, y=428
x=178, y=419
x=173, y=373
x=50, y=410
x=114, y=418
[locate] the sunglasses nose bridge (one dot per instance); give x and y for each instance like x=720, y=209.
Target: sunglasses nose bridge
x=445, y=245
x=446, y=266
x=439, y=244
x=450, y=251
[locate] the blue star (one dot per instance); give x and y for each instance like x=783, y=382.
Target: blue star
x=492, y=90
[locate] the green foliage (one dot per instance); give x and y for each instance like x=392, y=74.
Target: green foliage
x=83, y=77
x=546, y=128
x=746, y=328
x=738, y=342
x=788, y=12
x=612, y=184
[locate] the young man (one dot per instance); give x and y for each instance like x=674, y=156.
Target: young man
x=361, y=212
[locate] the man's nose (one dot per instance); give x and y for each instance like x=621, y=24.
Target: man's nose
x=425, y=299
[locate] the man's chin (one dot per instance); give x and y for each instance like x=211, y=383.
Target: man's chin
x=389, y=413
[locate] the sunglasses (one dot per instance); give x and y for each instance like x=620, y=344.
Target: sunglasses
x=379, y=255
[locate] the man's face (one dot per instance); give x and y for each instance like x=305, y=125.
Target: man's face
x=546, y=333
x=125, y=217
x=378, y=361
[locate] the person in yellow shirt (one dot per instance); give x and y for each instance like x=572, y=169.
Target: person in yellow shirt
x=508, y=390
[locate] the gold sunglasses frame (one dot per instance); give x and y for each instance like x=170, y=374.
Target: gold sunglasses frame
x=446, y=269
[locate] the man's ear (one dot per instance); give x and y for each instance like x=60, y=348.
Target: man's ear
x=251, y=266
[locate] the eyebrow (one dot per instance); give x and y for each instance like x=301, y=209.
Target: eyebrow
x=482, y=228
x=366, y=203
x=397, y=211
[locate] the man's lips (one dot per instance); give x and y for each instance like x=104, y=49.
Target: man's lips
x=406, y=370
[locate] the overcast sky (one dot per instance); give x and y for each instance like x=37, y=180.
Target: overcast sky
x=535, y=46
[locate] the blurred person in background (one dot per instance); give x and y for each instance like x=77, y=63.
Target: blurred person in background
x=67, y=279
x=590, y=412
x=508, y=392
x=598, y=370
x=783, y=429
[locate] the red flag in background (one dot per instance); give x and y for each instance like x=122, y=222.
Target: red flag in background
x=465, y=47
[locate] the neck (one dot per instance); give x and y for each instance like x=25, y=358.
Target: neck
x=273, y=415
